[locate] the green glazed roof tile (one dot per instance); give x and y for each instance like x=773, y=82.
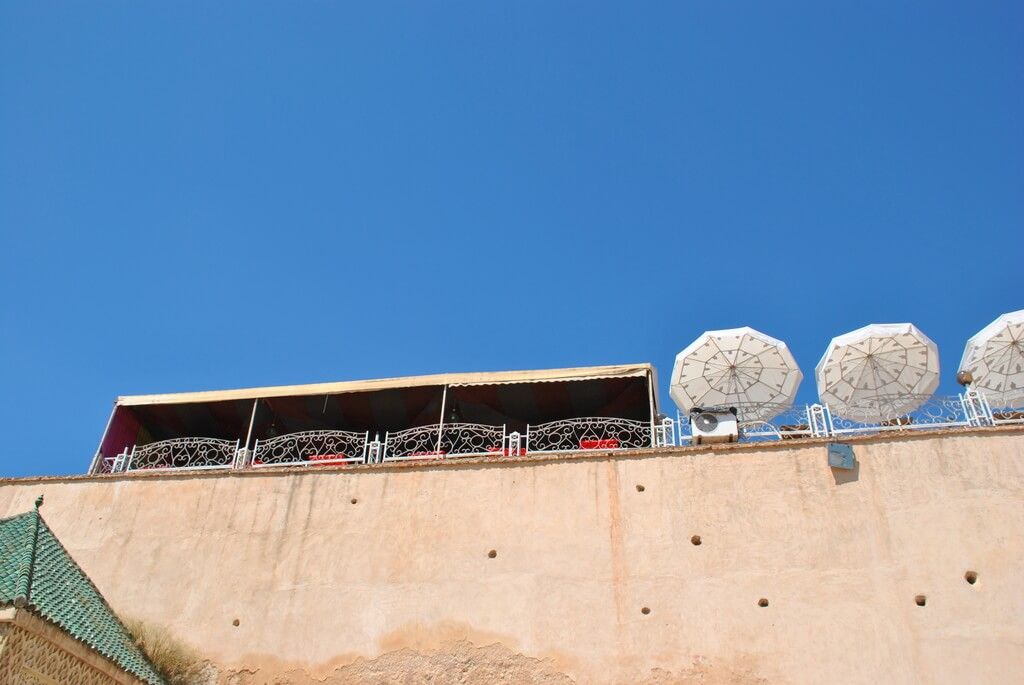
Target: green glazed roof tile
x=17, y=540
x=38, y=573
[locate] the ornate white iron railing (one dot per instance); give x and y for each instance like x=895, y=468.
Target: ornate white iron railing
x=311, y=447
x=930, y=412
x=786, y=425
x=1000, y=416
x=970, y=409
x=819, y=420
x=1007, y=416
x=422, y=442
x=179, y=453
x=590, y=433
x=472, y=439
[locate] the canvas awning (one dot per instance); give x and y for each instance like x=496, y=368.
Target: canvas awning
x=510, y=398
x=451, y=379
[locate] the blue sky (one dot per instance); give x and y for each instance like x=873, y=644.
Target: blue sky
x=204, y=195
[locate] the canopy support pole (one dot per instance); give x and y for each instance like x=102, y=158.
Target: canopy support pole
x=440, y=423
x=248, y=435
x=654, y=418
x=99, y=448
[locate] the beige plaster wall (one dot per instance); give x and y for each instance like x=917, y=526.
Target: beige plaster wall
x=379, y=575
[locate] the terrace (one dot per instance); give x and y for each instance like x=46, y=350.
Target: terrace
x=371, y=422
x=459, y=415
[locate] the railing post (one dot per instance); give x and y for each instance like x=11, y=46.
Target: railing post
x=680, y=423
x=515, y=444
x=527, y=450
x=819, y=421
x=976, y=408
x=665, y=433
x=240, y=456
x=986, y=408
x=670, y=431
x=119, y=461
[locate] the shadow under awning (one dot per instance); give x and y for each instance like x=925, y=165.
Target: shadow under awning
x=513, y=399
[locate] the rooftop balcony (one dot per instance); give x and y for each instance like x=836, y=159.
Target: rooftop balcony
x=444, y=441
x=372, y=422
x=536, y=412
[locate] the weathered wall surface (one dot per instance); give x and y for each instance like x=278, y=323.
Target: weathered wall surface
x=384, y=575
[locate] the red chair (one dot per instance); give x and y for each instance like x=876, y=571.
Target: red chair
x=594, y=444
x=327, y=458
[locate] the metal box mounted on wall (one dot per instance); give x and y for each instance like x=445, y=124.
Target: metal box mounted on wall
x=840, y=456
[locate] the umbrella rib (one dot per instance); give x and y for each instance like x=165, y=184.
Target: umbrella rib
x=1007, y=351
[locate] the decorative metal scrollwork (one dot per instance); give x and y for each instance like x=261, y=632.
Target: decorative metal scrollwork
x=568, y=435
x=311, y=447
x=1002, y=415
x=787, y=424
x=933, y=412
x=821, y=421
x=465, y=439
x=183, y=453
x=456, y=440
x=413, y=443
x=594, y=432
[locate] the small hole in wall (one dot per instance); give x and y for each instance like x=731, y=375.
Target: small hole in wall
x=493, y=553
x=971, y=577
x=920, y=600
x=640, y=488
x=695, y=540
x=762, y=602
x=236, y=623
x=354, y=501
x=645, y=611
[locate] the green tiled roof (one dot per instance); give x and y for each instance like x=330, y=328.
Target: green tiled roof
x=37, y=573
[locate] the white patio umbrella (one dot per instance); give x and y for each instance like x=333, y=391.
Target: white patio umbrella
x=878, y=373
x=995, y=359
x=738, y=367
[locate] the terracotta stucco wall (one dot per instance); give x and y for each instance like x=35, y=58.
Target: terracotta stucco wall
x=368, y=576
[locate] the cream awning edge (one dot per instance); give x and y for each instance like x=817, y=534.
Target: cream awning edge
x=454, y=379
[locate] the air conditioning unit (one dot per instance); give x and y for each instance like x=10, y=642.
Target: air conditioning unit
x=713, y=425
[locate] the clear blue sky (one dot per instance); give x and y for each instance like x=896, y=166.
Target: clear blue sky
x=209, y=195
